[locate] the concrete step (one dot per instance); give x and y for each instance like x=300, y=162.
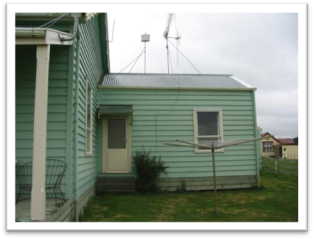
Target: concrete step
x=116, y=179
x=115, y=184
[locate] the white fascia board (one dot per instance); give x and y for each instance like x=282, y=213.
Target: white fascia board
x=30, y=41
x=38, y=36
x=171, y=88
x=52, y=37
x=242, y=82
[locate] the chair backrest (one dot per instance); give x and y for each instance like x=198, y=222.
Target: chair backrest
x=24, y=174
x=55, y=170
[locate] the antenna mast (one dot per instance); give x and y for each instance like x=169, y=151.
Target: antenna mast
x=145, y=38
x=166, y=35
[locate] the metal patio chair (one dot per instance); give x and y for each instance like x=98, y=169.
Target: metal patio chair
x=55, y=170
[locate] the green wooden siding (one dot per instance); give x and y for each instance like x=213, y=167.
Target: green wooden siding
x=57, y=103
x=91, y=69
x=162, y=116
x=61, y=102
x=75, y=49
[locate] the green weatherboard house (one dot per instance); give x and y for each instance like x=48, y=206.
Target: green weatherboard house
x=69, y=107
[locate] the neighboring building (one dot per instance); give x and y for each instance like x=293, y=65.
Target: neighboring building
x=69, y=107
x=286, y=148
x=260, y=149
x=268, y=144
x=289, y=148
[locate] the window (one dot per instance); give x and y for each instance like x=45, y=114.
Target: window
x=268, y=147
x=89, y=119
x=208, y=127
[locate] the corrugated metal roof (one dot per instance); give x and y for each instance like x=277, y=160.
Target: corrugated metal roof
x=115, y=109
x=172, y=81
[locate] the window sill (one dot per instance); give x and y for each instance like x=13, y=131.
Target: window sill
x=88, y=154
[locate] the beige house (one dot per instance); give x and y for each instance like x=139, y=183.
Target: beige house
x=268, y=144
x=283, y=147
x=289, y=149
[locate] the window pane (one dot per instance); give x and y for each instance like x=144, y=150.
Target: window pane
x=89, y=140
x=89, y=123
x=207, y=142
x=89, y=103
x=116, y=134
x=268, y=147
x=208, y=123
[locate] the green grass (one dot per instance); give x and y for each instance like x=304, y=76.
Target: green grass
x=275, y=201
x=283, y=165
x=280, y=162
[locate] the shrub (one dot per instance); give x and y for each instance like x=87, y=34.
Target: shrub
x=148, y=168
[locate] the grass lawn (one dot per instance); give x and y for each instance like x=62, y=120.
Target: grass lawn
x=283, y=165
x=275, y=201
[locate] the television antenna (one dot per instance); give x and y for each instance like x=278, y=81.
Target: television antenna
x=212, y=145
x=171, y=16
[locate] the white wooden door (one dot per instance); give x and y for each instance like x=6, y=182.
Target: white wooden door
x=115, y=156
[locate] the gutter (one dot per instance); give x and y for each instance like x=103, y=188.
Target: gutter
x=171, y=88
x=46, y=16
x=30, y=32
x=40, y=36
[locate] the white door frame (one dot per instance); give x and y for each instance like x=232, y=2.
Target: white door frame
x=104, y=159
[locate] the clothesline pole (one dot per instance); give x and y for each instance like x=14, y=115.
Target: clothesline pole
x=214, y=172
x=185, y=143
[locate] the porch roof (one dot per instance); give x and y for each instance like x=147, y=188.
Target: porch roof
x=115, y=110
x=40, y=36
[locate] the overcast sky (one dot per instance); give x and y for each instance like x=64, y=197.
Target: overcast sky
x=260, y=48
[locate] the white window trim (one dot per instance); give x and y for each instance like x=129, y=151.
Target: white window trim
x=89, y=128
x=221, y=130
x=268, y=146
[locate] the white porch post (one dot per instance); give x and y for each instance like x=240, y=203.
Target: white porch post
x=38, y=199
